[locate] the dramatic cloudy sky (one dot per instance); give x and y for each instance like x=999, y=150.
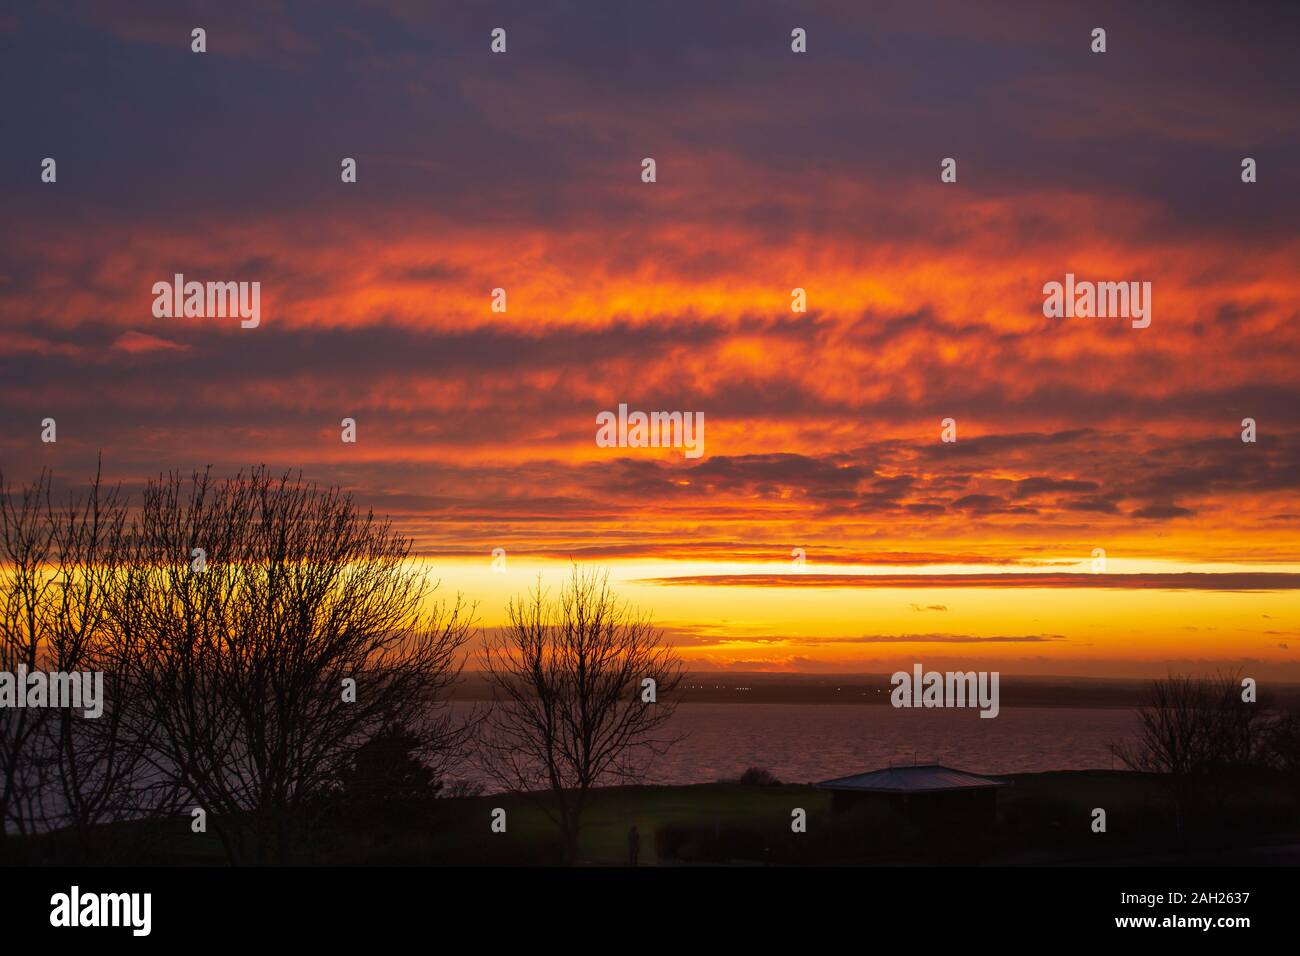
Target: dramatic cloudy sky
x=775, y=170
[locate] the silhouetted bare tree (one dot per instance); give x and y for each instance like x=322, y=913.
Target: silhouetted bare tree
x=300, y=630
x=103, y=767
x=60, y=565
x=27, y=601
x=570, y=711
x=1200, y=735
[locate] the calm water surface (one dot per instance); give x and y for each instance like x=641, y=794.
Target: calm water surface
x=803, y=743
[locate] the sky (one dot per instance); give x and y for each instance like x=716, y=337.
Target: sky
x=1098, y=513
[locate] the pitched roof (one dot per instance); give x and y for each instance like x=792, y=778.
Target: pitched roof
x=927, y=777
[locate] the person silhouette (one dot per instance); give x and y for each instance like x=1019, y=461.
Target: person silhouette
x=633, y=845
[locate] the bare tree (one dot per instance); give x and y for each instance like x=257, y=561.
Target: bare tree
x=276, y=629
x=572, y=708
x=100, y=766
x=1200, y=736
x=27, y=601
x=1284, y=748
x=64, y=769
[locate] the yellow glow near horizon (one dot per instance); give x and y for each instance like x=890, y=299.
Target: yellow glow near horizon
x=1058, y=630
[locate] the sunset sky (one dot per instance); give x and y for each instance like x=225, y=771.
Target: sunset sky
x=775, y=170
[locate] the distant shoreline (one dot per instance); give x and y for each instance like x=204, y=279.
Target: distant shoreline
x=873, y=690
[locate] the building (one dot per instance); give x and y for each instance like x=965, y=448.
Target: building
x=930, y=797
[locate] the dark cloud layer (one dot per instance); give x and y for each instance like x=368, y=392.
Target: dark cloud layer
x=776, y=170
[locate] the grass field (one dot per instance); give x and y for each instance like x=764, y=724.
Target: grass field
x=1041, y=818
